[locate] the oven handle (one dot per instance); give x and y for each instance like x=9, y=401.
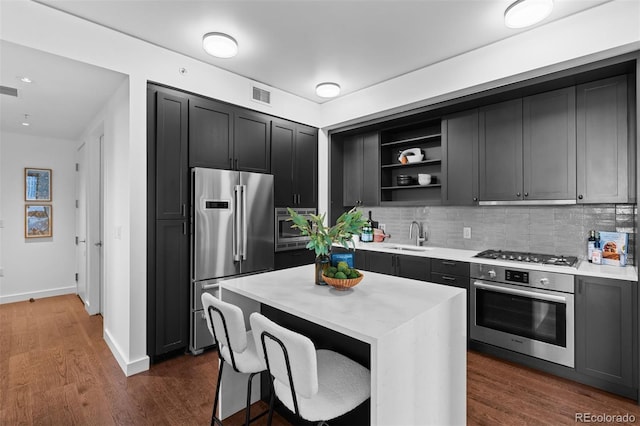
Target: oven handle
x=536, y=295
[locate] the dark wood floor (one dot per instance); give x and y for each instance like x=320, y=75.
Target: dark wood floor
x=55, y=369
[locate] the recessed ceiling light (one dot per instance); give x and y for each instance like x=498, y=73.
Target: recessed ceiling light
x=25, y=79
x=328, y=90
x=524, y=13
x=220, y=45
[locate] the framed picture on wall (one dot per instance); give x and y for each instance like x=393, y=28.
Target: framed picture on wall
x=38, y=221
x=37, y=184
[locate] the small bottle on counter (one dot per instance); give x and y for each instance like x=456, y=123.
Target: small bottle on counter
x=591, y=244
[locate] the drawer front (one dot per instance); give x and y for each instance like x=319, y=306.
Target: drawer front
x=448, y=279
x=201, y=335
x=450, y=267
x=211, y=287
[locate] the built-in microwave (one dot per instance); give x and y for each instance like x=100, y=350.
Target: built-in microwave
x=286, y=237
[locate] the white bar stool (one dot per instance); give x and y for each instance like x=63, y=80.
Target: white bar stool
x=235, y=346
x=317, y=385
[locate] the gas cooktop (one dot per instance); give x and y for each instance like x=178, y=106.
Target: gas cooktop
x=516, y=256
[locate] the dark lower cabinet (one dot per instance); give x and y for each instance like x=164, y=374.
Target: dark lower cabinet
x=171, y=286
x=606, y=318
x=414, y=267
x=293, y=258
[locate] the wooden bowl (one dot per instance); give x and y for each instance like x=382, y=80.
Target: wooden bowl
x=342, y=284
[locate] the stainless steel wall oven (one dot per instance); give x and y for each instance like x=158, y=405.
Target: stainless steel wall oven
x=287, y=238
x=526, y=311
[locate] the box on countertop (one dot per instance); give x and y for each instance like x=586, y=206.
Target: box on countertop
x=614, y=248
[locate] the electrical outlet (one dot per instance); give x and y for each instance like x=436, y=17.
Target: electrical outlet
x=466, y=232
x=1, y=272
x=382, y=227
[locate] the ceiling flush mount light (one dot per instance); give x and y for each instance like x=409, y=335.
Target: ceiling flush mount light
x=328, y=90
x=26, y=120
x=25, y=79
x=220, y=45
x=524, y=13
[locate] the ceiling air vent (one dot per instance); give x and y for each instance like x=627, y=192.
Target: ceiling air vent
x=260, y=95
x=11, y=91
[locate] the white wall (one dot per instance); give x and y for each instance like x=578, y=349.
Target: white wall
x=37, y=267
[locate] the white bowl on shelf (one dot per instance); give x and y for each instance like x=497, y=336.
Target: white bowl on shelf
x=413, y=155
x=424, y=179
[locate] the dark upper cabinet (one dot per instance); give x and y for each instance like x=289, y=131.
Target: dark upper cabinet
x=171, y=147
x=222, y=136
x=210, y=134
x=252, y=142
x=500, y=151
x=603, y=162
x=606, y=329
x=294, y=164
x=549, y=145
x=460, y=158
x=361, y=170
x=305, y=167
x=171, y=286
x=528, y=148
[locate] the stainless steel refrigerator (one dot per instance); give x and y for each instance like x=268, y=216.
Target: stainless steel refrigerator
x=232, y=217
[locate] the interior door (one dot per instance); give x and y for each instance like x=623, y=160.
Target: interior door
x=81, y=223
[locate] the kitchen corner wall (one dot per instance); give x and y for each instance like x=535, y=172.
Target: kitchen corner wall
x=538, y=229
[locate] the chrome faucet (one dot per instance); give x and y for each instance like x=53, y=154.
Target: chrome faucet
x=419, y=235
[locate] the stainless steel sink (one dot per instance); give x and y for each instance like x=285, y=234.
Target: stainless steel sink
x=406, y=248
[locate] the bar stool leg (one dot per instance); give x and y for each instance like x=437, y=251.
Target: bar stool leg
x=214, y=419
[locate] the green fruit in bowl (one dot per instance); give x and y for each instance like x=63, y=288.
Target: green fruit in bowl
x=340, y=275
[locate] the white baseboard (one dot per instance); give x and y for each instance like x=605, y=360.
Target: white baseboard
x=11, y=298
x=128, y=368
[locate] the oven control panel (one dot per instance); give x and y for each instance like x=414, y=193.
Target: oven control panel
x=516, y=276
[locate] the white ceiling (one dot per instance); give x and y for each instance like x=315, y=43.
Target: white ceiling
x=64, y=97
x=292, y=44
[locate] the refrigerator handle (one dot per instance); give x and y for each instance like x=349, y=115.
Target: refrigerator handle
x=237, y=224
x=244, y=222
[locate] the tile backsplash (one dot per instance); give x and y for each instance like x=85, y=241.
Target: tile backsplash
x=539, y=229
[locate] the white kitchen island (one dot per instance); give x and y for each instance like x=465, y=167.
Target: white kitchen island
x=415, y=332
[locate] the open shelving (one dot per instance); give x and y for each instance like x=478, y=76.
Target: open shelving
x=426, y=136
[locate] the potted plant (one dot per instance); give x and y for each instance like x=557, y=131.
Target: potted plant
x=322, y=237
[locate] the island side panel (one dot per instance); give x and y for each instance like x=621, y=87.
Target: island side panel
x=419, y=370
x=233, y=389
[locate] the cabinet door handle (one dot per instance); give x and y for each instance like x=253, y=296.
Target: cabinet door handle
x=580, y=197
x=183, y=210
x=518, y=194
x=446, y=278
x=445, y=262
x=294, y=198
x=526, y=194
x=475, y=198
x=184, y=228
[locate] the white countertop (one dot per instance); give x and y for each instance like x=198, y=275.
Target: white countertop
x=584, y=268
x=377, y=305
